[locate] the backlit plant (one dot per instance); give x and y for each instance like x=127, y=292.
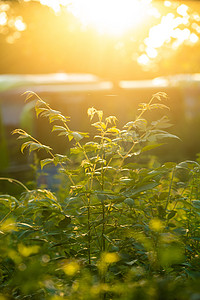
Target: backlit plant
x=118, y=220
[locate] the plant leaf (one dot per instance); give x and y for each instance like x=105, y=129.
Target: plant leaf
x=46, y=161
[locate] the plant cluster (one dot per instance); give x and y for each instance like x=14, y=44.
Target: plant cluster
x=120, y=227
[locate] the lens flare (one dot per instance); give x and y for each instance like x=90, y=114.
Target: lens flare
x=111, y=16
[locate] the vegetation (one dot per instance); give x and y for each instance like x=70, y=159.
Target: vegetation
x=121, y=226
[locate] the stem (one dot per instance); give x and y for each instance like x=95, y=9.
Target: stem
x=6, y=216
x=92, y=177
x=89, y=232
x=103, y=204
x=84, y=152
x=103, y=228
x=170, y=188
x=11, y=180
x=98, y=242
x=190, y=212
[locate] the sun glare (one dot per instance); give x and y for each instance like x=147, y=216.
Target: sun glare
x=111, y=16
x=161, y=26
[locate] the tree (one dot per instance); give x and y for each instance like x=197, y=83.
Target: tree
x=42, y=36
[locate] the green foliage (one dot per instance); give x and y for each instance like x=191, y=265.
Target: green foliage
x=118, y=228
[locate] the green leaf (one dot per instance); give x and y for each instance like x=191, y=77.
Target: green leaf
x=172, y=225
x=64, y=222
x=46, y=161
x=185, y=203
x=111, y=119
x=23, y=136
x=91, y=112
x=141, y=124
x=76, y=150
x=26, y=226
x=70, y=137
x=140, y=189
x=77, y=136
x=169, y=165
x=130, y=124
x=35, y=146
x=162, y=123
x=58, y=118
x=21, y=132
x=160, y=134
x=171, y=214
x=195, y=238
x=129, y=201
x=9, y=201
x=30, y=94
x=150, y=147
x=188, y=164
x=107, y=238
x=40, y=110
x=60, y=158
x=113, y=130
x=158, y=105
x=25, y=145
x=160, y=95
x=59, y=128
x=196, y=204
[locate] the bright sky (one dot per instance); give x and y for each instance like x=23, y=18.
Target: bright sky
x=113, y=17
x=116, y=17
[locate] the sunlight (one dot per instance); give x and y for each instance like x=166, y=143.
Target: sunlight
x=114, y=16
x=54, y=4
x=3, y=18
x=169, y=31
x=19, y=24
x=171, y=24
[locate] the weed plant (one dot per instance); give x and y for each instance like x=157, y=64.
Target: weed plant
x=118, y=229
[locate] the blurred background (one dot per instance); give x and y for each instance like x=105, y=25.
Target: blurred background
x=110, y=54
x=130, y=39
